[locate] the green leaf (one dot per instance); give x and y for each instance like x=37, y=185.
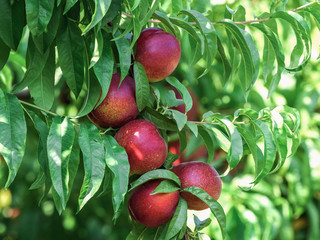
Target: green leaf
x=276, y=52
x=249, y=68
x=208, y=141
x=165, y=20
x=101, y=8
x=69, y=5
x=314, y=10
x=5, y=51
x=124, y=55
x=135, y=4
x=45, y=39
x=59, y=146
x=155, y=174
x=117, y=161
x=225, y=62
x=142, y=86
x=93, y=93
x=193, y=127
x=177, y=221
x=269, y=149
x=182, y=90
x=97, y=46
x=170, y=159
x=215, y=207
x=180, y=118
x=148, y=15
x=161, y=121
x=42, y=88
x=166, y=186
x=201, y=224
x=103, y=69
x=12, y=19
x=137, y=232
x=38, y=13
x=71, y=47
x=13, y=133
x=35, y=64
x=92, y=148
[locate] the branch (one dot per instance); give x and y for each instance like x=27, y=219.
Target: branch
x=241, y=22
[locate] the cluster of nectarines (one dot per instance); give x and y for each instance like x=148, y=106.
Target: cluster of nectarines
x=159, y=53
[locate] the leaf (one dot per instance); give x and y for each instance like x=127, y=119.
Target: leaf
x=5, y=51
x=177, y=221
x=225, y=62
x=117, y=161
x=249, y=68
x=59, y=146
x=137, y=232
x=101, y=8
x=161, y=121
x=71, y=47
x=103, y=69
x=208, y=141
x=164, y=20
x=201, y=224
x=92, y=148
x=142, y=86
x=42, y=88
x=13, y=133
x=193, y=127
x=276, y=51
x=269, y=149
x=45, y=39
x=215, y=207
x=35, y=64
x=69, y=5
x=38, y=13
x=11, y=22
x=124, y=55
x=182, y=90
x=93, y=93
x=155, y=174
x=166, y=186
x=148, y=15
x=180, y=118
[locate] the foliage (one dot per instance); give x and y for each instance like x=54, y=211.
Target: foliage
x=65, y=52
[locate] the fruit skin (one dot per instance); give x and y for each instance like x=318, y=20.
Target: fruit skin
x=159, y=53
x=192, y=114
x=152, y=210
x=198, y=174
x=119, y=106
x=146, y=148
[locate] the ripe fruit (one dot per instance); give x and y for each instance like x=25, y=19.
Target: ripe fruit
x=144, y=145
x=159, y=53
x=192, y=114
x=152, y=210
x=119, y=106
x=198, y=174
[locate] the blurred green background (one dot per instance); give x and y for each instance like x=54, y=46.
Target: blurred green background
x=285, y=205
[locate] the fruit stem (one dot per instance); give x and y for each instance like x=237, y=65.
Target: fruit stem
x=239, y=22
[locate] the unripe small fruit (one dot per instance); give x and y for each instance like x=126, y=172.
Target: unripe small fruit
x=146, y=148
x=152, y=210
x=119, y=106
x=159, y=53
x=198, y=174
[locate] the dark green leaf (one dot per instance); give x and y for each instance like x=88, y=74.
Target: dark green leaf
x=165, y=20
x=208, y=141
x=159, y=120
x=101, y=8
x=155, y=174
x=137, y=232
x=13, y=133
x=180, y=118
x=103, y=69
x=142, y=86
x=92, y=148
x=124, y=55
x=12, y=19
x=117, y=161
x=177, y=222
x=166, y=186
x=201, y=224
x=59, y=146
x=35, y=64
x=215, y=207
x=71, y=47
x=69, y=5
x=148, y=15
x=170, y=159
x=193, y=127
x=38, y=13
x=42, y=88
x=5, y=51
